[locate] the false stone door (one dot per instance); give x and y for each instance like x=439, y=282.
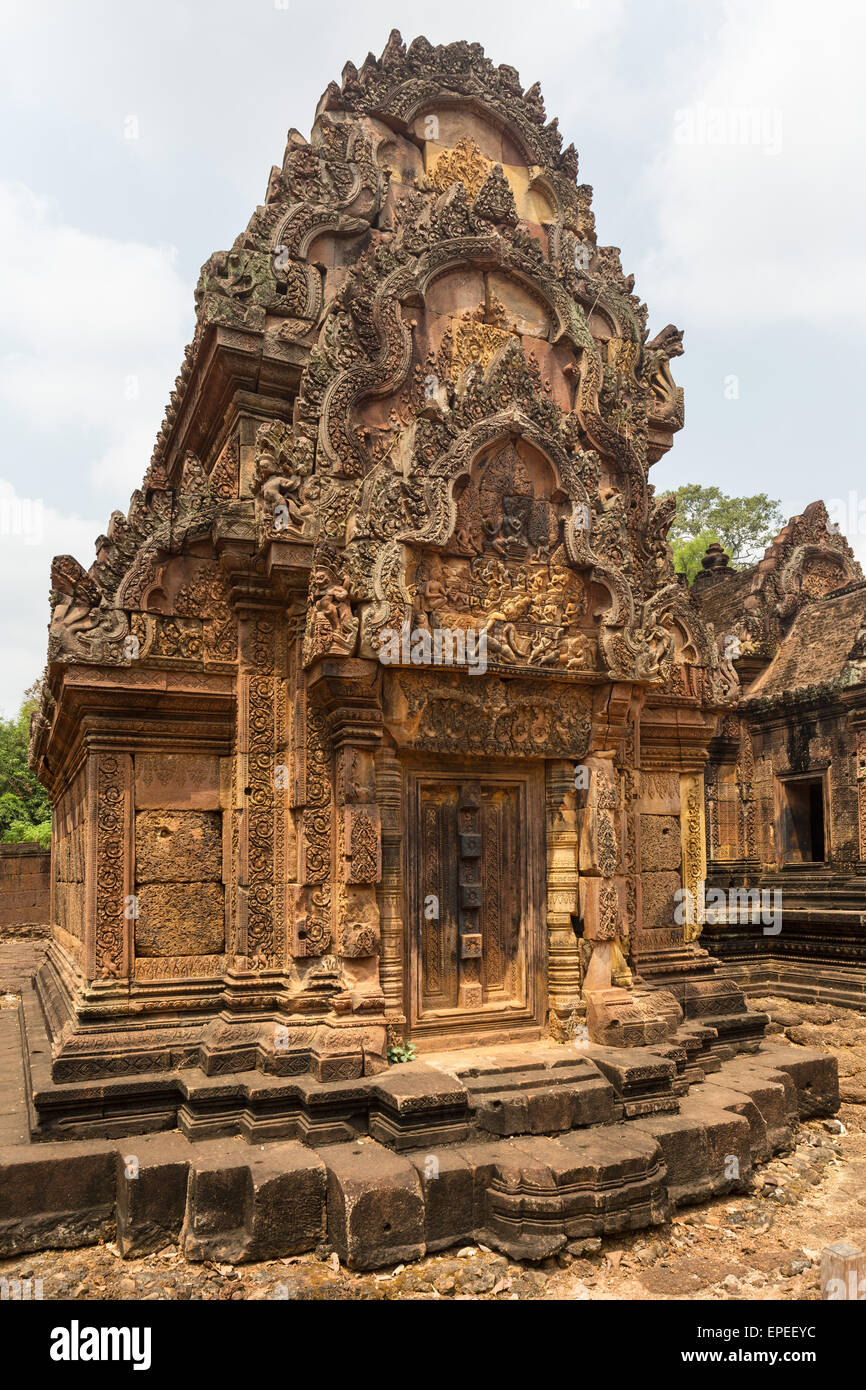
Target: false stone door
x=476, y=911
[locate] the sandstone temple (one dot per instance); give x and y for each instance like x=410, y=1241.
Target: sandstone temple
x=381, y=722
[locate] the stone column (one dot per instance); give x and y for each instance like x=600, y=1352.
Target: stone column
x=563, y=961
x=389, y=793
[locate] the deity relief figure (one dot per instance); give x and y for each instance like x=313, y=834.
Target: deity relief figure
x=507, y=535
x=283, y=501
x=282, y=469
x=578, y=653
x=332, y=628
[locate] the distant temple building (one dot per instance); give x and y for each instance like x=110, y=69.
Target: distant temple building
x=786, y=781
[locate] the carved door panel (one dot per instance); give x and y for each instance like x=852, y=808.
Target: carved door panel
x=475, y=857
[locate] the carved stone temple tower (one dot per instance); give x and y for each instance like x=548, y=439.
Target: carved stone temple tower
x=382, y=716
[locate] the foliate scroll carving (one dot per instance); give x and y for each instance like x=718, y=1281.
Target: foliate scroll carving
x=201, y=626
x=861, y=789
x=746, y=798
x=694, y=847
x=562, y=892
x=312, y=935
x=464, y=164
x=225, y=477
x=359, y=858
x=363, y=850
x=474, y=343
x=110, y=791
x=264, y=813
x=603, y=893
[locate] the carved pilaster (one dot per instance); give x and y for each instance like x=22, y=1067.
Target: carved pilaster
x=311, y=920
x=347, y=694
x=261, y=751
x=601, y=882
x=357, y=853
x=562, y=890
x=694, y=846
x=861, y=788
x=109, y=875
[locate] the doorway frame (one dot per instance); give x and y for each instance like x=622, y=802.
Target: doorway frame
x=455, y=1028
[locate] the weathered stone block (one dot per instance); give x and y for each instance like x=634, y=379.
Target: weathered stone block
x=815, y=1076
x=659, y=901
x=724, y=1097
x=375, y=1206
x=180, y=919
x=660, y=843
x=447, y=1186
x=288, y=1201
x=176, y=782
x=152, y=1173
x=631, y=1018
x=245, y=1205
x=178, y=846
x=56, y=1202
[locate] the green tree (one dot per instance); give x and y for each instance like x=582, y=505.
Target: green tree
x=25, y=811
x=689, y=553
x=744, y=526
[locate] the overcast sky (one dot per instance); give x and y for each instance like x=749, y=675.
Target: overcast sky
x=723, y=138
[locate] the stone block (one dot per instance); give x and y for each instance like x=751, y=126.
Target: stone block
x=375, y=1206
x=631, y=1018
x=447, y=1187
x=57, y=1201
x=288, y=1201
x=152, y=1174
x=177, y=782
x=815, y=1076
x=724, y=1097
x=178, y=846
x=180, y=919
x=245, y=1205
x=216, y=1220
x=660, y=843
x=587, y=1182
x=658, y=889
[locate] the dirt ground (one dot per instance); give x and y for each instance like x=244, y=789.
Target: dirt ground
x=764, y=1244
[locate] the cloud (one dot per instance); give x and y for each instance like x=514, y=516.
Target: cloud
x=93, y=330
x=31, y=534
x=760, y=215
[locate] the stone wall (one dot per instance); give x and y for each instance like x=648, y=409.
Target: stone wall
x=25, y=885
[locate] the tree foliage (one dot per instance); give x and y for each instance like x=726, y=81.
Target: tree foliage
x=743, y=526
x=25, y=811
